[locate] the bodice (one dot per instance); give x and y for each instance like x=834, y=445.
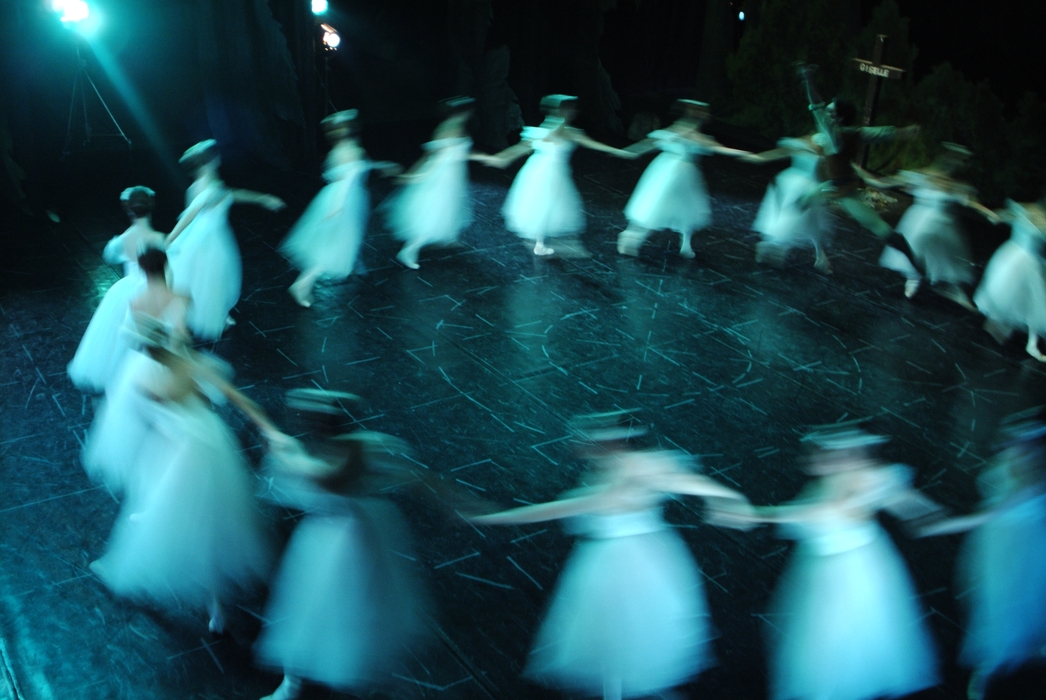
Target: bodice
x=558, y=148
x=605, y=526
x=345, y=171
x=671, y=142
x=455, y=147
x=208, y=195
x=1025, y=233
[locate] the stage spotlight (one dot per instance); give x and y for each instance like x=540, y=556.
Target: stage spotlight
x=71, y=11
x=741, y=15
x=319, y=7
x=331, y=38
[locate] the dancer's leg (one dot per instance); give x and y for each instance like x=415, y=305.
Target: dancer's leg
x=631, y=240
x=301, y=290
x=865, y=216
x=541, y=249
x=685, y=248
x=217, y=622
x=1033, y=347
x=289, y=689
x=408, y=255
x=821, y=262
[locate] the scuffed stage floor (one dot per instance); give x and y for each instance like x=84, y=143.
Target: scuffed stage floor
x=478, y=360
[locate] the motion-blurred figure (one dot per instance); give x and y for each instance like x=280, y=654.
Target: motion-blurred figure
x=788, y=216
x=345, y=606
x=1002, y=568
x=671, y=194
x=1012, y=293
x=195, y=534
x=543, y=201
x=845, y=622
x=102, y=347
x=931, y=231
x=205, y=260
x=628, y=617
x=326, y=240
x=435, y=205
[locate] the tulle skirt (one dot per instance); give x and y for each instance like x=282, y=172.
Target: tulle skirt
x=847, y=626
x=196, y=532
x=111, y=455
x=628, y=611
x=1003, y=566
x=543, y=201
x=344, y=606
x=205, y=265
x=435, y=209
x=671, y=194
x=328, y=236
x=936, y=243
x=783, y=221
x=1013, y=289
x=103, y=347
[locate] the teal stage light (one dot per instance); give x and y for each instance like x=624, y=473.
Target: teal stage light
x=319, y=7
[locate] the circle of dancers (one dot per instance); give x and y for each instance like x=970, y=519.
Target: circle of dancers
x=629, y=616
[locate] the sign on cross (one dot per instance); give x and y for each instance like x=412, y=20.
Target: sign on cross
x=876, y=73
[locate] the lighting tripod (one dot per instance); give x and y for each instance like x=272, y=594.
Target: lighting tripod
x=81, y=82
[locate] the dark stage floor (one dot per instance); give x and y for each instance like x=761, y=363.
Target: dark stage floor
x=478, y=360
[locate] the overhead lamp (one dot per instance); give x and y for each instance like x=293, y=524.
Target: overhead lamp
x=331, y=38
x=319, y=7
x=71, y=11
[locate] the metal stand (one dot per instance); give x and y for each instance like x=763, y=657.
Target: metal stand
x=80, y=83
x=328, y=106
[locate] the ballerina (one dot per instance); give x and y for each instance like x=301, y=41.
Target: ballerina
x=671, y=194
x=788, y=218
x=1012, y=293
x=344, y=606
x=102, y=347
x=205, y=260
x=845, y=623
x=543, y=201
x=195, y=534
x=628, y=617
x=435, y=206
x=110, y=455
x=326, y=240
x=1003, y=562
x=931, y=231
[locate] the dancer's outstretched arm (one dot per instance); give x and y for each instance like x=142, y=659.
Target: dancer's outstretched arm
x=269, y=201
x=641, y=148
x=952, y=526
x=505, y=157
x=587, y=502
x=583, y=139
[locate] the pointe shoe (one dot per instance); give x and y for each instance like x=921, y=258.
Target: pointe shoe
x=1033, y=350
x=911, y=287
x=628, y=243
x=289, y=689
x=543, y=250
x=687, y=253
x=230, y=321
x=296, y=293
x=408, y=261
x=823, y=265
x=216, y=625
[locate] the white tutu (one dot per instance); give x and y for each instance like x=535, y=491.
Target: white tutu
x=629, y=609
x=437, y=206
x=933, y=235
x=1013, y=289
x=103, y=346
x=671, y=194
x=846, y=622
x=196, y=532
x=329, y=234
x=783, y=220
x=344, y=607
x=205, y=264
x=1003, y=567
x=543, y=201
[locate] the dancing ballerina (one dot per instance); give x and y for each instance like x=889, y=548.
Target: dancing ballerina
x=326, y=240
x=195, y=534
x=205, y=260
x=102, y=347
x=931, y=231
x=788, y=217
x=123, y=420
x=543, y=201
x=846, y=623
x=1002, y=572
x=1012, y=293
x=435, y=205
x=628, y=617
x=345, y=606
x=671, y=194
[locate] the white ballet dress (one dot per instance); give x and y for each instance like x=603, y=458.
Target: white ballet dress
x=328, y=236
x=671, y=194
x=628, y=611
x=344, y=605
x=124, y=418
x=1003, y=569
x=543, y=201
x=196, y=532
x=205, y=261
x=435, y=207
x=846, y=621
x=103, y=346
x=1013, y=289
x=932, y=234
x=784, y=218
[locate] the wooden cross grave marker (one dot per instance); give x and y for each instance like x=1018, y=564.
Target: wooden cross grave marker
x=876, y=72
